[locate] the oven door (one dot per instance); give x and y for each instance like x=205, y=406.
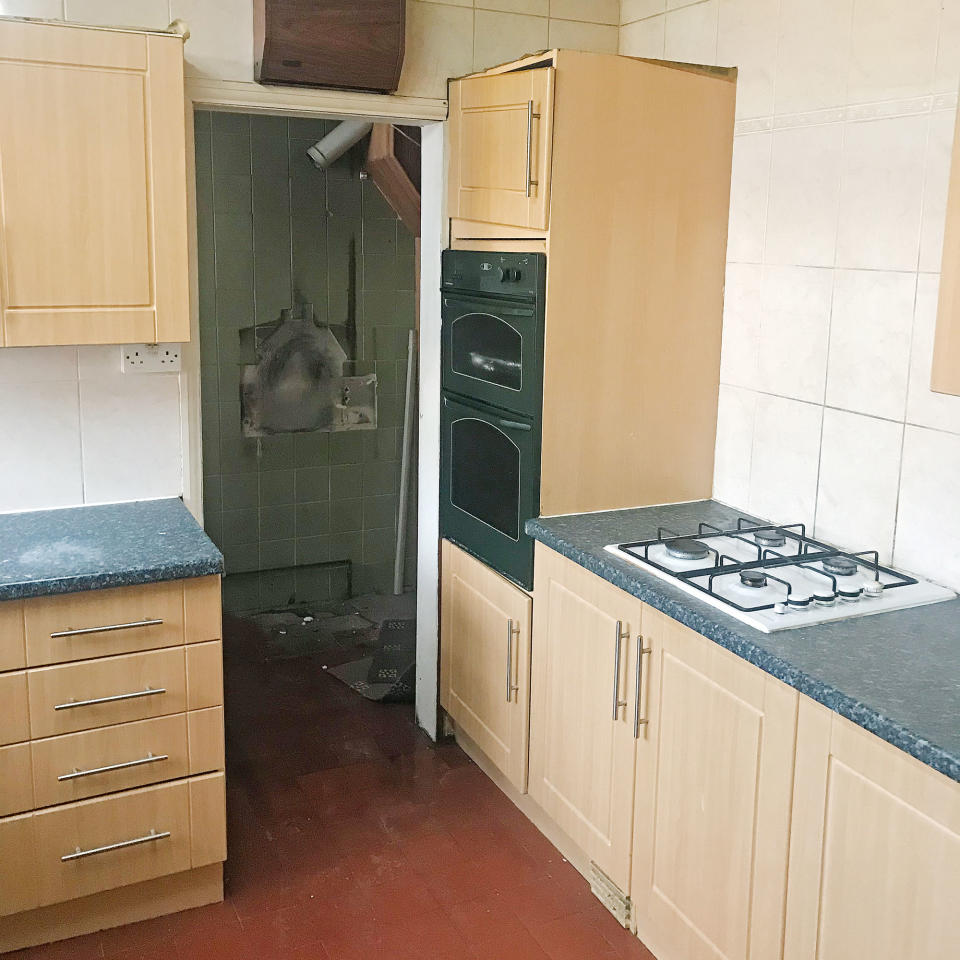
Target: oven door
x=493, y=351
x=489, y=485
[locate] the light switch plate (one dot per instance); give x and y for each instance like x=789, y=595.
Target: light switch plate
x=150, y=357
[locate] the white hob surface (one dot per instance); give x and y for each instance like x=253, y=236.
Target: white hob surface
x=813, y=595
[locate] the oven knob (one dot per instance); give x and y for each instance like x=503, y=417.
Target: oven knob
x=509, y=275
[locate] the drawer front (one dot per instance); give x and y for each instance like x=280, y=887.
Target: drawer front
x=12, y=656
x=99, y=623
x=105, y=692
x=16, y=788
x=14, y=715
x=110, y=759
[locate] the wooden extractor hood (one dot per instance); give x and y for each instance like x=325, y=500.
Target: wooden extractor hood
x=349, y=44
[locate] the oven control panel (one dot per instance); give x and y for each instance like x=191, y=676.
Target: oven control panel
x=496, y=274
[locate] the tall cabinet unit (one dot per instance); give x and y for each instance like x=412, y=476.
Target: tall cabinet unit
x=93, y=186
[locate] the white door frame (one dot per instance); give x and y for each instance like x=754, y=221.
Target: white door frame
x=248, y=97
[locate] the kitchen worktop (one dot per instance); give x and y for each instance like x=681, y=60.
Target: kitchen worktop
x=895, y=674
x=44, y=552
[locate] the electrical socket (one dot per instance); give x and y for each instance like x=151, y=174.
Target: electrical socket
x=150, y=358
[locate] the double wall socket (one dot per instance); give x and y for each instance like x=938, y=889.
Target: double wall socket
x=150, y=358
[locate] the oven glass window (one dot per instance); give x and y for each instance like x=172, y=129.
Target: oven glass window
x=487, y=348
x=485, y=475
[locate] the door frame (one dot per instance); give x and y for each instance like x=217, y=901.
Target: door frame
x=242, y=96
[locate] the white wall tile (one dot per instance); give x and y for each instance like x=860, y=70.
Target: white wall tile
x=575, y=35
x=792, y=353
x=631, y=10
x=893, y=49
x=439, y=44
x=37, y=364
x=935, y=181
x=643, y=38
x=741, y=324
x=880, y=193
x=221, y=37
x=41, y=9
x=928, y=518
x=537, y=8
x=747, y=39
x=924, y=407
x=736, y=413
x=40, y=439
x=119, y=13
x=690, y=33
x=859, y=479
x=593, y=11
x=749, y=188
x=804, y=196
x=948, y=49
x=99, y=361
x=785, y=458
x=499, y=37
x=870, y=342
x=813, y=56
x=131, y=437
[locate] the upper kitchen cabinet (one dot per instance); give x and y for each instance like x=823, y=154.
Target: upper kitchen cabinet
x=946, y=352
x=93, y=187
x=501, y=140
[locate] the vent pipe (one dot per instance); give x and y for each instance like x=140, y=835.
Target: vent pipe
x=337, y=142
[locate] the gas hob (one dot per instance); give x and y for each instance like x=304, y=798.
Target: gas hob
x=776, y=577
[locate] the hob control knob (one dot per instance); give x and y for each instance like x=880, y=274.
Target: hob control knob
x=509, y=275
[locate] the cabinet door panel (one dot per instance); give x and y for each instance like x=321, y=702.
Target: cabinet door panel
x=501, y=148
x=712, y=800
x=875, y=849
x=484, y=647
x=581, y=758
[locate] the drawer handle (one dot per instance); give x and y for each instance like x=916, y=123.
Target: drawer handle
x=148, y=692
x=618, y=646
x=512, y=688
x=149, y=758
x=79, y=854
x=639, y=721
x=107, y=629
x=530, y=118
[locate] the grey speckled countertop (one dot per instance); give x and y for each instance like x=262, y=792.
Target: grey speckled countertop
x=88, y=548
x=895, y=674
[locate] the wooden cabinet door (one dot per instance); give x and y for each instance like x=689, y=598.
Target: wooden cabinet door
x=93, y=236
x=713, y=789
x=501, y=143
x=582, y=709
x=485, y=659
x=874, y=849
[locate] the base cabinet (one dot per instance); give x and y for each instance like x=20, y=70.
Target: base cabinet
x=485, y=659
x=874, y=850
x=713, y=786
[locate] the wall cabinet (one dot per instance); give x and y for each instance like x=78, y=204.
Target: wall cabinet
x=713, y=786
x=485, y=659
x=93, y=188
x=583, y=703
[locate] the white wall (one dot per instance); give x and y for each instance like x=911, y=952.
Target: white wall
x=845, y=120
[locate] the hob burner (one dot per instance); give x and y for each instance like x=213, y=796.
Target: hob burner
x=840, y=566
x=753, y=578
x=686, y=548
x=770, y=537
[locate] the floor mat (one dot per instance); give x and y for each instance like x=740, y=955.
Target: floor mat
x=389, y=675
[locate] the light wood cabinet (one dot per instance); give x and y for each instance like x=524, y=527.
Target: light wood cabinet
x=485, y=659
x=874, y=850
x=713, y=790
x=583, y=693
x=93, y=190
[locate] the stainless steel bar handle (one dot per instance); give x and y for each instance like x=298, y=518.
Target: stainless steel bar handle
x=105, y=629
x=149, y=758
x=617, y=702
x=147, y=692
x=512, y=688
x=151, y=837
x=531, y=116
x=637, y=720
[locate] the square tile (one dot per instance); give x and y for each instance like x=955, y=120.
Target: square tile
x=346, y=515
x=148, y=14
x=439, y=44
x=49, y=364
x=345, y=481
x=742, y=314
x=749, y=189
x=577, y=35
x=690, y=33
x=500, y=37
x=313, y=519
x=935, y=181
x=312, y=483
x=240, y=491
x=643, y=38
x=221, y=38
x=736, y=413
x=631, y=10
x=277, y=487
x=240, y=526
x=747, y=39
x=593, y=11
x=278, y=522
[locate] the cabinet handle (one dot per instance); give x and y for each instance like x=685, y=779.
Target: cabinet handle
x=637, y=720
x=151, y=837
x=511, y=687
x=530, y=118
x=617, y=702
x=106, y=629
x=149, y=758
x=148, y=692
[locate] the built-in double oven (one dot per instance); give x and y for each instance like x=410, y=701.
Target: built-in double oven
x=491, y=402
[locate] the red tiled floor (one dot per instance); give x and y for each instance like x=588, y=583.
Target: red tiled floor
x=351, y=837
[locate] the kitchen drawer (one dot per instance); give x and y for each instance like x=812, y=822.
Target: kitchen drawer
x=128, y=688
x=12, y=655
x=204, y=675
x=122, y=839
x=147, y=751
x=205, y=739
x=16, y=788
x=14, y=715
x=98, y=623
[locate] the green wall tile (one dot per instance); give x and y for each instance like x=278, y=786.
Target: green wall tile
x=380, y=511
x=277, y=589
x=312, y=483
x=276, y=453
x=232, y=194
x=313, y=549
x=212, y=497
x=380, y=477
x=276, y=553
x=278, y=523
x=346, y=546
x=346, y=515
x=241, y=593
x=240, y=526
x=311, y=449
x=346, y=447
x=229, y=122
x=239, y=455
x=379, y=545
x=313, y=519
x=231, y=154
x=310, y=128
x=313, y=585
x=241, y=558
x=240, y=491
x=276, y=487
x=380, y=237
x=345, y=479
x=375, y=206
